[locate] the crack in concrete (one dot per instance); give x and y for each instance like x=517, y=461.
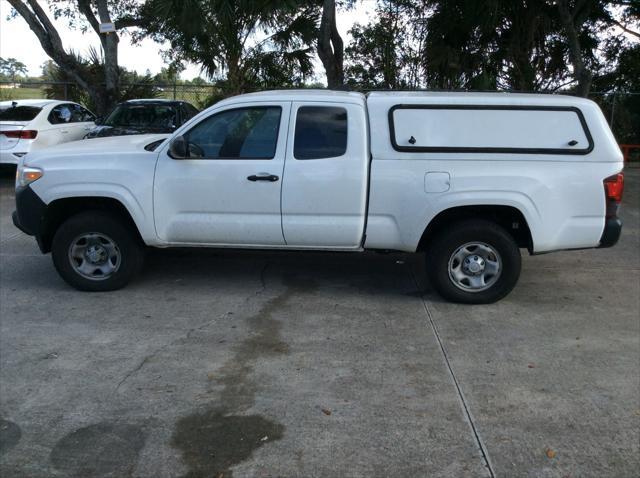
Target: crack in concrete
x=140, y=365
x=191, y=331
x=463, y=401
x=147, y=358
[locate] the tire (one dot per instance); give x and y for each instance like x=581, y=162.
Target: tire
x=473, y=262
x=96, y=251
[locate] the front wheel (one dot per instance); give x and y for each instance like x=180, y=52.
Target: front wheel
x=95, y=251
x=474, y=262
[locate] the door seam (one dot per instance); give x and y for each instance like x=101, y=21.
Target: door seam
x=284, y=170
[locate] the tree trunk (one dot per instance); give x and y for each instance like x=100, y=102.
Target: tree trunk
x=103, y=96
x=109, y=91
x=572, y=25
x=330, y=46
x=110, y=47
x=235, y=83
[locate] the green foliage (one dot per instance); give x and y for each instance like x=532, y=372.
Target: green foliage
x=132, y=85
x=196, y=82
x=620, y=99
x=494, y=44
x=169, y=75
x=11, y=68
x=48, y=69
x=241, y=45
x=385, y=54
x=122, y=12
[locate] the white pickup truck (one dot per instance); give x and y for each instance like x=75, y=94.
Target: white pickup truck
x=468, y=178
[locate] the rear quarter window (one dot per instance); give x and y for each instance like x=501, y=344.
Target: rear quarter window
x=321, y=132
x=484, y=128
x=61, y=114
x=81, y=115
x=19, y=113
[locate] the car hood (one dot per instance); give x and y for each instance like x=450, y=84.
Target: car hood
x=97, y=148
x=103, y=131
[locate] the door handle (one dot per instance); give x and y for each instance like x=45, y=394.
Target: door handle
x=263, y=177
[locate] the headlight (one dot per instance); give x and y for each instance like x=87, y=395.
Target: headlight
x=25, y=175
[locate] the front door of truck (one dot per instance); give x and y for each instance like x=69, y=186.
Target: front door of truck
x=324, y=194
x=226, y=190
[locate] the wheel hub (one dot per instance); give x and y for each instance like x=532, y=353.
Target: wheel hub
x=473, y=265
x=96, y=254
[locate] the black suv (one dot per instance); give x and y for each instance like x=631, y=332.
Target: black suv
x=143, y=117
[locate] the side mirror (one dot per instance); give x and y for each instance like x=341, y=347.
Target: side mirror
x=179, y=148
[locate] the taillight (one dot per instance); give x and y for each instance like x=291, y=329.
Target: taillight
x=21, y=134
x=613, y=188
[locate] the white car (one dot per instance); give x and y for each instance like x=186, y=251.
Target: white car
x=467, y=178
x=28, y=125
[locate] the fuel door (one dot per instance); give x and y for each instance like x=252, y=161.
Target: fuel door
x=437, y=182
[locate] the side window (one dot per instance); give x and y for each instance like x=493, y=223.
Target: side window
x=82, y=115
x=184, y=116
x=321, y=132
x=61, y=114
x=188, y=112
x=515, y=129
x=244, y=133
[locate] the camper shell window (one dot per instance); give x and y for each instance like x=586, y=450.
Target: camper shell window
x=489, y=129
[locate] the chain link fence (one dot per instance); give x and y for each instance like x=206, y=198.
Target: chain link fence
x=622, y=109
x=198, y=95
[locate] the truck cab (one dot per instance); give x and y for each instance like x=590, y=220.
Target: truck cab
x=260, y=171
x=469, y=179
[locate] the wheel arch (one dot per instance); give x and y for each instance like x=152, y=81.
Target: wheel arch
x=62, y=209
x=509, y=217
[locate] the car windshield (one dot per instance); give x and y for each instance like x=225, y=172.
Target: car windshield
x=18, y=113
x=155, y=117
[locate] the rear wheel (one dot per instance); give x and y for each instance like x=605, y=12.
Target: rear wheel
x=473, y=262
x=95, y=251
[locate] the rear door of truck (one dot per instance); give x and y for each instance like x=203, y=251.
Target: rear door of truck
x=324, y=191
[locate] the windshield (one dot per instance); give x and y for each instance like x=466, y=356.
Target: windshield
x=18, y=113
x=156, y=117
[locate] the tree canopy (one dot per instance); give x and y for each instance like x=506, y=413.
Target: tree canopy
x=243, y=45
x=246, y=45
x=535, y=45
x=10, y=68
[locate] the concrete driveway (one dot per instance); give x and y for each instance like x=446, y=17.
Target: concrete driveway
x=302, y=365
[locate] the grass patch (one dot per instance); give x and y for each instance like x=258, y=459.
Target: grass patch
x=22, y=94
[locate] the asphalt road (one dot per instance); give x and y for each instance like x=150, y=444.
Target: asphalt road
x=287, y=364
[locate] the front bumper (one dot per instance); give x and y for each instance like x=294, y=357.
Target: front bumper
x=16, y=222
x=29, y=213
x=611, y=233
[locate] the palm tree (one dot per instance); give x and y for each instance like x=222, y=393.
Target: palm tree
x=242, y=44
